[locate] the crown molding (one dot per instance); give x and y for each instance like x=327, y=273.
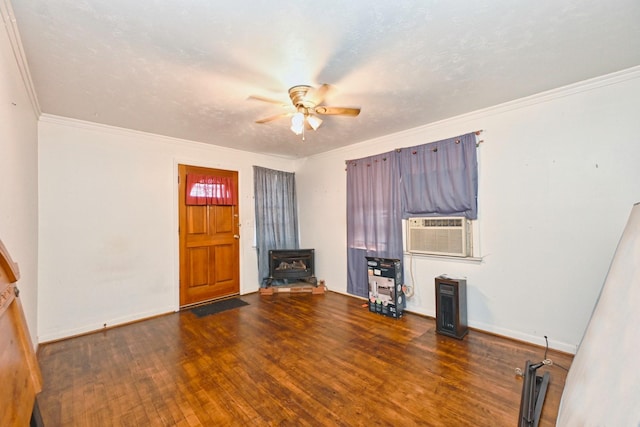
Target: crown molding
x=139, y=135
x=538, y=98
x=463, y=119
x=13, y=34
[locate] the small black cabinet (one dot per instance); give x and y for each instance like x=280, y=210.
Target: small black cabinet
x=451, y=307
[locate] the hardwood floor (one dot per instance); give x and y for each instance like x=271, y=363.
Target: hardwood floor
x=289, y=360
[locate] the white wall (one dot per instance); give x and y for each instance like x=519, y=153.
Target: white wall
x=108, y=222
x=558, y=176
x=19, y=173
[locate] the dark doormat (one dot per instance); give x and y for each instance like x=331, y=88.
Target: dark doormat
x=218, y=306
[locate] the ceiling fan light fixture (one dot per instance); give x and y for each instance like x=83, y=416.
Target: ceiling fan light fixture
x=297, y=123
x=314, y=122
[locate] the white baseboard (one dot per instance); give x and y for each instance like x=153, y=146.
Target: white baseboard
x=95, y=327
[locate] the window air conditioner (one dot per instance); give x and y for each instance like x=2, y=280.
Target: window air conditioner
x=449, y=236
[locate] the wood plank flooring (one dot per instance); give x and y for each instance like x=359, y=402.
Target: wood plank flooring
x=289, y=360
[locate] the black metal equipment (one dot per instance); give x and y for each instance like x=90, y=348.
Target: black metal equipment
x=534, y=389
x=290, y=266
x=386, y=296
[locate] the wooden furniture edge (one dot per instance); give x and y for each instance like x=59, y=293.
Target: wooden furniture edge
x=8, y=265
x=22, y=378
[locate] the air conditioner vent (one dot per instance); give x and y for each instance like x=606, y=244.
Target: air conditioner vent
x=449, y=236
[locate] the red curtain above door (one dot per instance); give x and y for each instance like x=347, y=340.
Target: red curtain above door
x=210, y=190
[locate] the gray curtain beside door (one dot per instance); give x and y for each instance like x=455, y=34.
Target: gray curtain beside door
x=276, y=211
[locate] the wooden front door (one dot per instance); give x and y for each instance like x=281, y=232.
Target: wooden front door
x=209, y=244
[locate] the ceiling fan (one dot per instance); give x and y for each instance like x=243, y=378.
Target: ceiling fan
x=307, y=107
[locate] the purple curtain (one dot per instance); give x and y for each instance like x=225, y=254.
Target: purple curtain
x=435, y=179
x=440, y=178
x=374, y=220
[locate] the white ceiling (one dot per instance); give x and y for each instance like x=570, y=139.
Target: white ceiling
x=185, y=68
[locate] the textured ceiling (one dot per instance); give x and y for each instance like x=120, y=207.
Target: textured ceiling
x=185, y=68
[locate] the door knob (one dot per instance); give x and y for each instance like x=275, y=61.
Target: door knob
x=236, y=236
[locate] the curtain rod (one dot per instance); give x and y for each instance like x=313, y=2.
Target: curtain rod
x=476, y=132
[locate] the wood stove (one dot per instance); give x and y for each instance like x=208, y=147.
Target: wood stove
x=291, y=265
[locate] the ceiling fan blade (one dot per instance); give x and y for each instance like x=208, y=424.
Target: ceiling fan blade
x=316, y=96
x=272, y=118
x=338, y=111
x=265, y=99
